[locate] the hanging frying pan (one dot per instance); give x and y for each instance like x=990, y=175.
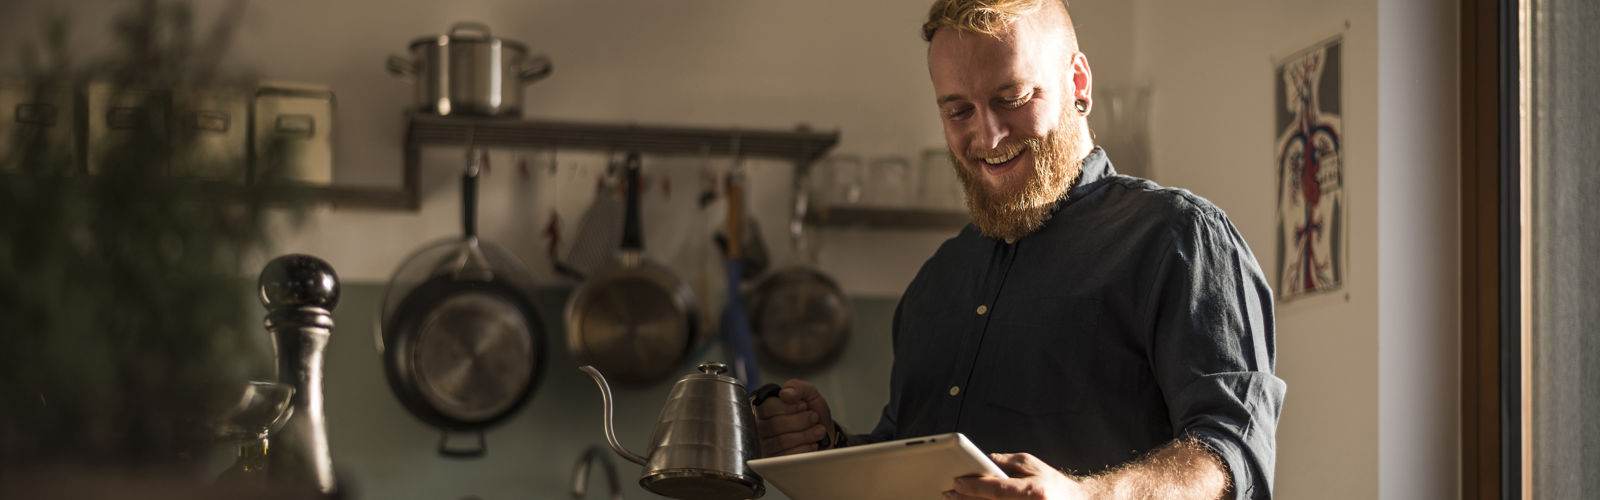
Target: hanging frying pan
x=800, y=317
x=634, y=320
x=462, y=343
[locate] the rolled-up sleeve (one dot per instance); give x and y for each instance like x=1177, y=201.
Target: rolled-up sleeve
x=1213, y=349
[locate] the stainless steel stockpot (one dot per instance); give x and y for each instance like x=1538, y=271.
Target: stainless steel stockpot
x=469, y=72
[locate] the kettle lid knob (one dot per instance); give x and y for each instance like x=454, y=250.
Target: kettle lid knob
x=713, y=368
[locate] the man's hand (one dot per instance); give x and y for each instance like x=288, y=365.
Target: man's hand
x=1031, y=479
x=794, y=421
x=1182, y=469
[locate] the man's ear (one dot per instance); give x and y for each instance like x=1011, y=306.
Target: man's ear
x=1082, y=82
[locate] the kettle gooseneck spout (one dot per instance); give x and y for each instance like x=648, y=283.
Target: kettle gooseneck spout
x=605, y=397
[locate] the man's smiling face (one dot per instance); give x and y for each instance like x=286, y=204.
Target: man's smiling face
x=1005, y=102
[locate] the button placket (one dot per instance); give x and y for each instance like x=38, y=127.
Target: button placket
x=999, y=269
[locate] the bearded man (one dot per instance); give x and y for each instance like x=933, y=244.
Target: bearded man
x=1114, y=337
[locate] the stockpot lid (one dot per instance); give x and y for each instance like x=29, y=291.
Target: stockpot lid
x=467, y=33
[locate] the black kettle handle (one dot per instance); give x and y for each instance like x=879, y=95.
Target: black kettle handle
x=763, y=393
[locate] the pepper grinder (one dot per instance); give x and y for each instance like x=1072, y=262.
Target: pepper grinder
x=300, y=292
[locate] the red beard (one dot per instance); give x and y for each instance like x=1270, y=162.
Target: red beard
x=1011, y=212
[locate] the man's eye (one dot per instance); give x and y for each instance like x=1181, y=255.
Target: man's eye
x=957, y=113
x=1018, y=102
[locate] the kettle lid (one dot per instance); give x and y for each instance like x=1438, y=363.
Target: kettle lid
x=712, y=370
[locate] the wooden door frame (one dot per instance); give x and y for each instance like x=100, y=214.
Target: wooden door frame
x=1493, y=401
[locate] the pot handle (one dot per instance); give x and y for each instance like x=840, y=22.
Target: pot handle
x=534, y=69
x=402, y=67
x=446, y=451
x=482, y=29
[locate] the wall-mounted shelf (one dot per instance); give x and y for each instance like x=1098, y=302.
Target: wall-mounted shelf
x=802, y=146
x=887, y=218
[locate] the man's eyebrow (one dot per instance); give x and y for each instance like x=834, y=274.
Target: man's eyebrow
x=1002, y=88
x=1010, y=85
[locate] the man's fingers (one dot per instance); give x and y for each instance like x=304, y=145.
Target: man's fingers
x=1019, y=464
x=773, y=407
x=989, y=487
x=790, y=440
x=796, y=390
x=782, y=424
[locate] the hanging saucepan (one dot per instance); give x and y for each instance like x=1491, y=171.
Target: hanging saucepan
x=469, y=72
x=799, y=316
x=634, y=320
x=462, y=343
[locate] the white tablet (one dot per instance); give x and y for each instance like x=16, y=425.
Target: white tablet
x=911, y=469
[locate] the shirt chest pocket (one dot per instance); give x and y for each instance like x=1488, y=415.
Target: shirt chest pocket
x=1048, y=355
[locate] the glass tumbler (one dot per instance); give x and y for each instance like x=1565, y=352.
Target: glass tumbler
x=892, y=181
x=842, y=174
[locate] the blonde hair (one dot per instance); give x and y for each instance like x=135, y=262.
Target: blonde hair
x=987, y=17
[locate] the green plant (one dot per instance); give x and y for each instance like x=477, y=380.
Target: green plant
x=124, y=322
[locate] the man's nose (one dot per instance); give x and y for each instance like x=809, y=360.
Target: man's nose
x=990, y=131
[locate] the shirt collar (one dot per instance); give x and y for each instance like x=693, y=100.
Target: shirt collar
x=1096, y=169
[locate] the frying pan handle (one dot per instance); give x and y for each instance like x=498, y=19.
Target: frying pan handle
x=631, y=233
x=735, y=216
x=446, y=451
x=469, y=195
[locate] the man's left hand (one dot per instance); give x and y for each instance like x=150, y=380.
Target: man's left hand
x=1031, y=478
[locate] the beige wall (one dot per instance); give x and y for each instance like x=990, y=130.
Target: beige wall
x=1371, y=410
x=1213, y=134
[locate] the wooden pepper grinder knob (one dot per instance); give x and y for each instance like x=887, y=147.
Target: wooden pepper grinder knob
x=300, y=292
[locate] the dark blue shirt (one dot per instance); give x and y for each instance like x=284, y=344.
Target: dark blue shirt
x=1135, y=316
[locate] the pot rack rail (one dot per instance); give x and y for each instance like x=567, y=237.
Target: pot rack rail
x=802, y=145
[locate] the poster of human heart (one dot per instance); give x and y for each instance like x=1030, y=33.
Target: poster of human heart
x=1310, y=172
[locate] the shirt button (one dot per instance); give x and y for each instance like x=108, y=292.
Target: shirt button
x=982, y=309
x=955, y=389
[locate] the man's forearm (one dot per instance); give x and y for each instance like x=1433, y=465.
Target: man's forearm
x=1181, y=469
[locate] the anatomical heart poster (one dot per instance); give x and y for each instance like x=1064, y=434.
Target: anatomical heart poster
x=1309, y=151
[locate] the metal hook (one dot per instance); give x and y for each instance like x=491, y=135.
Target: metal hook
x=580, y=473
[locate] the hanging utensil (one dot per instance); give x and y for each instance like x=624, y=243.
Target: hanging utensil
x=800, y=316
x=634, y=319
x=599, y=235
x=735, y=325
x=464, y=349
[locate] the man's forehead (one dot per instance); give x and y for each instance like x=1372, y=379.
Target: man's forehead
x=964, y=58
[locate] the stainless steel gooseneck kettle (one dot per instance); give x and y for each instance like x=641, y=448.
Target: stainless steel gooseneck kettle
x=702, y=442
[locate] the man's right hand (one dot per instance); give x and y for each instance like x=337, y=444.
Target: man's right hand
x=794, y=421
